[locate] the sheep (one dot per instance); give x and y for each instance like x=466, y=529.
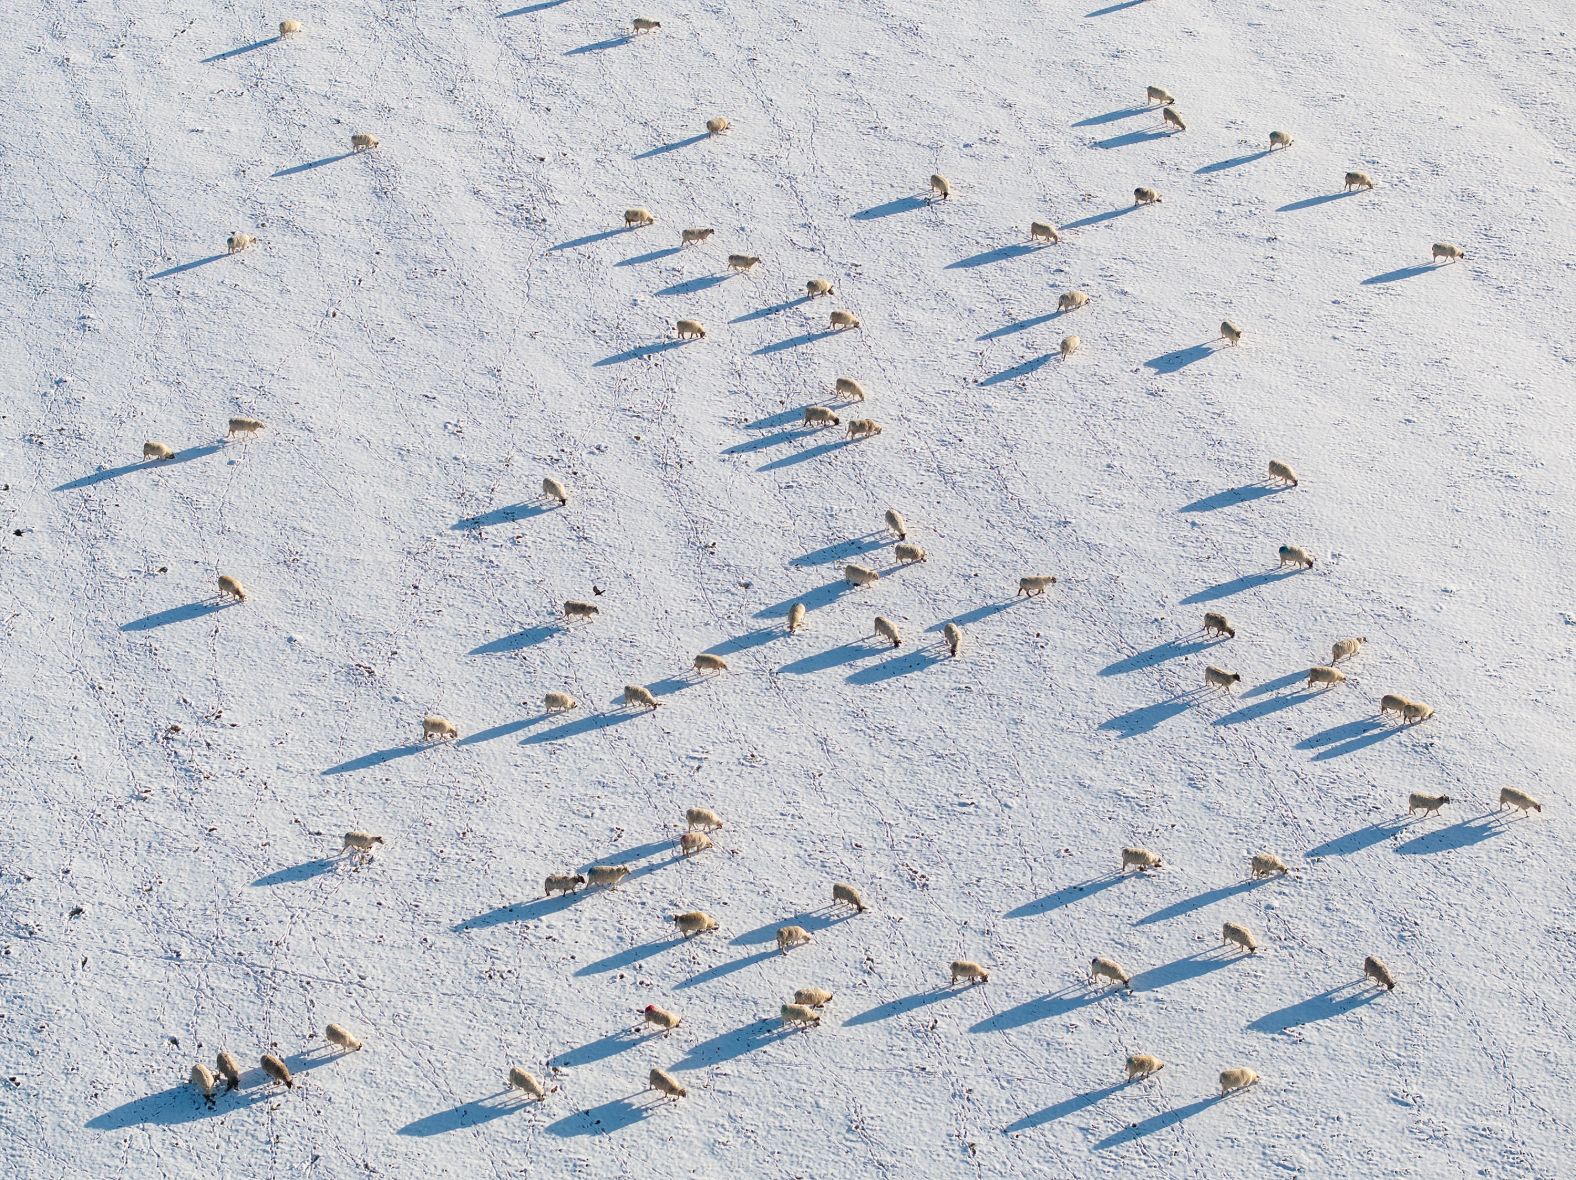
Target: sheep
x=1101, y=967
x=289, y=28
x=789, y=937
x=275, y=1068
x=1417, y=711
x=1141, y=859
x=690, y=236
x=574, y=609
x=1157, y=94
x=230, y=587
x=556, y=701
x=887, y=629
x=1141, y=1065
x=718, y=125
x=1070, y=345
x=863, y=428
x=562, y=883
x=969, y=970
x=815, y=288
x=1238, y=934
x=1520, y=800
x=820, y=416
x=848, y=387
x=1449, y=252
x=1170, y=118
x=202, y=1077
x=1230, y=333
x=1146, y=196
x=953, y=635
x=859, y=575
x=1217, y=677
x=1033, y=585
x=338, y=1034
x=1267, y=864
x=359, y=842
x=1280, y=139
x=521, y=1079
x=702, y=819
x=607, y=876
x=1283, y=472
x=941, y=187
x=693, y=922
x=1295, y=555
x=801, y=1014
x=1393, y=702
x=243, y=426
x=1326, y=675
x=847, y=895
x=661, y=1017
x=707, y=662
x=1216, y=623
x=691, y=330
x=229, y=1069
x=1238, y=1078
x=639, y=694
x=692, y=842
x=153, y=449
x=843, y=318
x=363, y=141
x=1345, y=649
x=1356, y=180
x=1044, y=231
x=743, y=263
x=638, y=216
x=812, y=997
x=796, y=614
x=1071, y=301
x=1375, y=970
x=643, y=24
x=441, y=728
x=894, y=521
x=1427, y=804
x=665, y=1083
x=553, y=490
x=238, y=241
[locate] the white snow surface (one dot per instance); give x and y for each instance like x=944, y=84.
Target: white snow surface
x=430, y=328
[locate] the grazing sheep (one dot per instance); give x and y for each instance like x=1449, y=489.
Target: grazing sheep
x=359, y=842
x=812, y=997
x=801, y=1014
x=1355, y=180
x=1033, y=585
x=743, y=263
x=1520, y=800
x=940, y=186
x=1230, y=333
x=1216, y=677
x=969, y=970
x=1345, y=649
x=1238, y=934
x=607, y=876
x=1044, y=231
x=639, y=694
x=643, y=24
x=789, y=937
x=843, y=318
x=433, y=726
x=574, y=609
x=894, y=521
x=1216, y=623
x=1146, y=196
x=1267, y=864
x=289, y=28
x=703, y=819
x=690, y=236
x=1295, y=555
x=847, y=895
x=815, y=288
x=638, y=216
x=230, y=587
x=338, y=1034
x=1238, y=1078
x=229, y=1069
x=953, y=634
x=244, y=426
x=1101, y=967
x=1141, y=859
x=1283, y=472
x=1070, y=345
x=1393, y=703
x=707, y=662
x=1157, y=94
x=1141, y=1065
x=718, y=125
x=859, y=575
x=238, y=241
x=692, y=842
x=848, y=387
x=691, y=330
x=796, y=614
x=362, y=141
x=153, y=449
x=275, y=1068
x=1427, y=804
x=521, y=1079
x=1170, y=118
x=1417, y=711
x=563, y=883
x=1448, y=252
x=820, y=416
x=554, y=701
x=907, y=552
x=693, y=922
x=1323, y=674
x=887, y=629
x=661, y=1017
x=1375, y=970
x=863, y=428
x=1071, y=301
x=1279, y=139
x=665, y=1083
x=202, y=1077
x=553, y=490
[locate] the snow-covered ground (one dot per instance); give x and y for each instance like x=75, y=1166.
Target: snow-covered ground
x=431, y=328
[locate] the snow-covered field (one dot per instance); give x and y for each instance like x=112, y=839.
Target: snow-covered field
x=430, y=328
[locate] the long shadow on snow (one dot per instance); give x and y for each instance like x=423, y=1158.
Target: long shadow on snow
x=1181, y=358
x=860, y=649
x=1268, y=705
x=1171, y=649
x=598, y=46
x=639, y=352
x=756, y=638
x=1355, y=841
x=605, y=1119
x=178, y=614
x=1235, y=162
x=807, y=454
x=728, y=968
x=794, y=342
x=691, y=286
x=1277, y=684
x=900, y=665
x=1148, y=717
x=529, y=8
x=1239, y=584
x=760, y=313
x=304, y=871
x=1067, y=1106
x=599, y=236
x=507, y=729
x=903, y=1006
x=466, y=1114
x=1066, y=895
x=1193, y=966
x=1069, y=999
x=629, y=956
x=1338, y=1001
x=590, y=723
x=811, y=920
x=975, y=614
x=1405, y=272
x=650, y=256
x=376, y=758
x=1199, y=900
x=813, y=600
x=900, y=205
x=1373, y=733
x=236, y=52
x=519, y=640
x=1157, y=1122
x=1113, y=116
x=520, y=911
x=1097, y=218
x=771, y=440
x=602, y=1048
x=1132, y=137
x=1020, y=326
x=1458, y=835
x=755, y=1035
x=171, y=1107
x=1310, y=202
x=179, y=457
x=1022, y=369
x=508, y=514
x=665, y=148
x=999, y=254
x=844, y=551
x=295, y=169
x=1231, y=497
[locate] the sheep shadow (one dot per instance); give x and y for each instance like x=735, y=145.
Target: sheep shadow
x=376, y=758
x=728, y=968
x=847, y=653
x=613, y=1116
x=1113, y=116
x=766, y=441
x=178, y=614
x=1338, y=1001
x=599, y=46
x=1132, y=137
x=1199, y=900
x=807, y=454
x=1298, y=677
x=665, y=148
x=1355, y=841
x=794, y=342
x=1405, y=272
x=1181, y=358
x=1171, y=649
x=589, y=723
x=905, y=664
x=1147, y=718
x=760, y=313
x=602, y=1048
x=1267, y=706
x=1097, y=218
x=629, y=956
x=294, y=874
x=1463, y=834
x=186, y=266
x=171, y=1107
x=813, y=599
x=757, y=638
x=1069, y=999
x=466, y=1114
x=1068, y=1106
x=1372, y=731
x=229, y=53
x=1169, y=1118
x=507, y=729
x=1066, y=895
x=812, y=920
x=508, y=514
x=185, y=456
x=1022, y=369
x=1235, y=162
x=311, y=164
x=519, y=640
x=1239, y=584
x=650, y=256
x=1020, y=326
x=639, y=352
x=976, y=614
x=999, y=254
x=624, y=855
x=1310, y=202
x=590, y=239
x=691, y=286
x=1231, y=497
x=730, y=1045
x=529, y=8
x=520, y=911
x=890, y=208
x=902, y=1006
x=1194, y=966
x=844, y=550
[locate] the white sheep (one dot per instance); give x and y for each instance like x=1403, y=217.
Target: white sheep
x=1033, y=585
x=202, y=1077
x=1238, y=1078
x=708, y=662
x=574, y=609
x=1146, y=196
x=859, y=575
x=363, y=141
x=690, y=236
x=863, y=428
x=1141, y=1065
x=1267, y=864
x=968, y=969
x=815, y=288
x=523, y=1079
x=1294, y=555
x=702, y=819
x=1044, y=231
x=887, y=629
x=1235, y=933
x=230, y=587
x=940, y=186
x=153, y=449
x=848, y=387
x=1375, y=970
x=789, y=937
x=638, y=216
x=359, y=842
x=800, y=1014
x=238, y=241
x=812, y=997
x=642, y=24
x=1229, y=332
x=953, y=635
x=338, y=1034
x=691, y=330
x=553, y=490
x=1216, y=623
x=1355, y=180
x=1427, y=804
x=692, y=842
x=607, y=876
x=1217, y=677
x=820, y=416
x=1417, y=711
x=557, y=701
x=718, y=125
x=1170, y=118
x=1282, y=472
x=1280, y=139
x=894, y=521
x=662, y=1081
x=1070, y=345
x=1324, y=674
x=660, y=1017
x=1101, y=967
x=1449, y=252
x=693, y=922
x=562, y=883
x=1071, y=301
x=244, y=426
x=743, y=263
x=843, y=318
x=639, y=694
x=441, y=728
x=275, y=1068
x=289, y=28
x=1141, y=859
x=229, y=1069
x=1345, y=649
x=1520, y=800
x=847, y=895
x=1393, y=702
x=1157, y=94
x=796, y=614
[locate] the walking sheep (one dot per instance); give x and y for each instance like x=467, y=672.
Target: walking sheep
x=275, y=1068
x=238, y=241
x=693, y=922
x=1279, y=139
x=1393, y=703
x=244, y=426
x=690, y=236
x=562, y=883
x=1345, y=649
x=849, y=896
x=556, y=701
x=848, y=387
x=969, y=970
x=1216, y=677
x=521, y=1079
x=439, y=728
x=202, y=1078
x=639, y=694
x=607, y=876
x=820, y=416
x=796, y=614
x=1356, y=180
x=691, y=330
x=1216, y=623
x=887, y=629
x=743, y=263
x=1070, y=345
x=1141, y=1065
x=894, y=521
x=812, y=997
x=1417, y=711
x=338, y=1034
x=1375, y=970
x=941, y=187
x=800, y=1014
x=289, y=28
x=702, y=819
x=230, y=587
x=1267, y=864
x=157, y=450
x=1236, y=934
x=638, y=216
x=858, y=575
x=1170, y=118
x=953, y=634
x=1101, y=967
x=1141, y=859
x=843, y=318
x=815, y=288
x=574, y=609
x=707, y=662
x=692, y=842
x=1230, y=333
x=1238, y=1078
x=363, y=141
x=1427, y=804
x=1071, y=301
x=863, y=428
x=1157, y=94
x=789, y=937
x=1146, y=196
x=1282, y=472
x=643, y=24
x=229, y=1069
x=1520, y=800
x=359, y=842
x=1034, y=585
x=553, y=490
x=666, y=1084
x=1448, y=252
x=660, y=1017
x=718, y=125
x=1325, y=675
x=1044, y=231
x=1295, y=555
